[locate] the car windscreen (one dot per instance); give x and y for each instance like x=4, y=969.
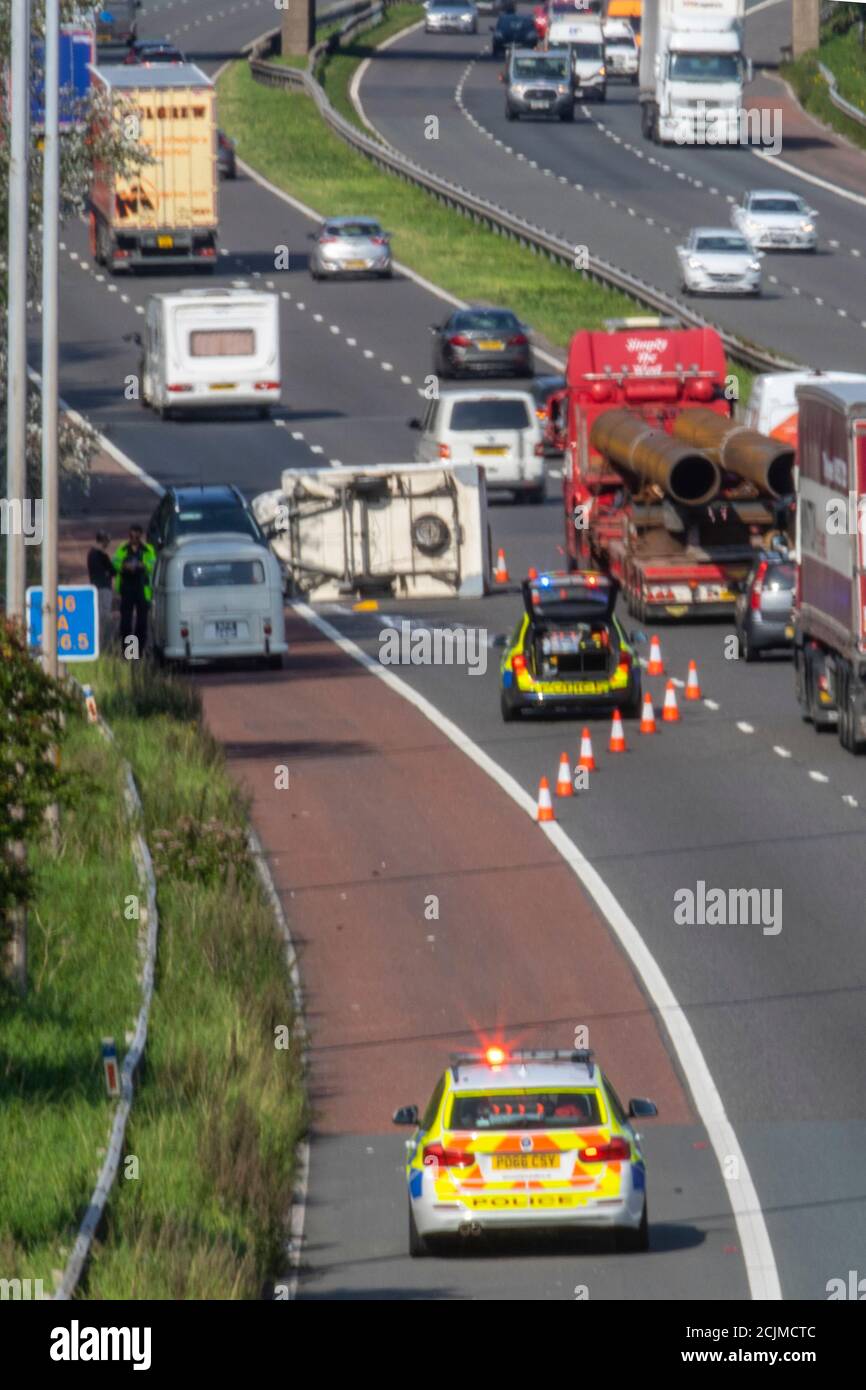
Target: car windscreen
x=588, y=52
x=792, y=206
x=208, y=520
x=531, y=1108
x=721, y=243
x=354, y=229
x=541, y=67
x=704, y=67
x=623, y=42
x=222, y=342
x=484, y=321
x=489, y=415
x=212, y=574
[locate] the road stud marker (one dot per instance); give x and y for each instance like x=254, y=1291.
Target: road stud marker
x=544, y=811
x=693, y=685
x=655, y=665
x=617, y=742
x=563, y=781
x=587, y=758
x=500, y=574
x=670, y=709
x=648, y=716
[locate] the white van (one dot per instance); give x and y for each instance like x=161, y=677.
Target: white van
x=773, y=408
x=218, y=598
x=621, y=56
x=584, y=37
x=210, y=347
x=498, y=429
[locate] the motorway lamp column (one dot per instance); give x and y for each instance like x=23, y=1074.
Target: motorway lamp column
x=16, y=387
x=50, y=234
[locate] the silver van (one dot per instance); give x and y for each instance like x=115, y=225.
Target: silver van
x=539, y=84
x=218, y=598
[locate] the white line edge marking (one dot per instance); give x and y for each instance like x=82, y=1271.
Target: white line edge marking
x=745, y=728
x=757, y=1252
x=810, y=178
x=782, y=752
x=819, y=776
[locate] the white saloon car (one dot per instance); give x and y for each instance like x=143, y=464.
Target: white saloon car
x=776, y=220
x=717, y=260
x=499, y=429
x=446, y=17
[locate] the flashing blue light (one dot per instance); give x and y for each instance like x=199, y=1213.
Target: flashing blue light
x=545, y=580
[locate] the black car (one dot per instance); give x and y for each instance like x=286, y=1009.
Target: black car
x=517, y=29
x=763, y=611
x=143, y=51
x=226, y=157
x=490, y=341
x=202, y=511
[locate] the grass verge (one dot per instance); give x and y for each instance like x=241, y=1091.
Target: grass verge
x=846, y=59
x=200, y=1214
x=282, y=136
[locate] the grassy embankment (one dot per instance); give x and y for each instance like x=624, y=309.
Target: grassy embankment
x=846, y=59
x=219, y=1106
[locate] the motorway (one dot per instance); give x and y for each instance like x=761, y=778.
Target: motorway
x=741, y=794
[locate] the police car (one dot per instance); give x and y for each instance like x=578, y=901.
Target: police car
x=568, y=650
x=518, y=1139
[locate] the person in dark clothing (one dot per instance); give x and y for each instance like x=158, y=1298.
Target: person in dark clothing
x=134, y=563
x=100, y=572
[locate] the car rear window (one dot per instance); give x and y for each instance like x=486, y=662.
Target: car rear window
x=489, y=415
x=525, y=1109
x=207, y=520
x=485, y=320
x=354, y=229
x=779, y=577
x=215, y=573
x=222, y=342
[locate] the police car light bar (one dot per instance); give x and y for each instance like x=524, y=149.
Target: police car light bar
x=577, y=1056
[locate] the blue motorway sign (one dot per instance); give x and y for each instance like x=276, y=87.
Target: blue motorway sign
x=77, y=621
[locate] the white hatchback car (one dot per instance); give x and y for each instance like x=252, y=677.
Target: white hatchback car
x=717, y=260
x=498, y=429
x=776, y=220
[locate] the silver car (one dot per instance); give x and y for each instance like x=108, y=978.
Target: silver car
x=716, y=260
x=776, y=220
x=539, y=84
x=350, y=246
x=451, y=19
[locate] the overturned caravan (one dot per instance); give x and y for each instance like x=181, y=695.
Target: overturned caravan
x=389, y=530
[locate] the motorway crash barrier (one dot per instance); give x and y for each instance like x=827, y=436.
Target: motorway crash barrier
x=488, y=214
x=148, y=936
x=838, y=101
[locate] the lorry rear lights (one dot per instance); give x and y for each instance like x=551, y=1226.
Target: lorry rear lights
x=601, y=390
x=267, y=629
x=614, y=1151
x=539, y=449
x=178, y=388
x=184, y=632
x=267, y=386
x=701, y=389
x=205, y=251
x=758, y=586
x=445, y=451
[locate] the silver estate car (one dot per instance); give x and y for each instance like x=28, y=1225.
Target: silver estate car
x=451, y=19
x=776, y=221
x=350, y=246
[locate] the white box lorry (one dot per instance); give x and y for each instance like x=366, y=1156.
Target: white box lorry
x=210, y=348
x=692, y=70
x=165, y=213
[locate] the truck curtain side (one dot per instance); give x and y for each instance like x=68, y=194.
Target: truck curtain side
x=166, y=211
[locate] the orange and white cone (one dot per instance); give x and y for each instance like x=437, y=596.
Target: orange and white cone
x=655, y=665
x=670, y=709
x=648, y=716
x=563, y=780
x=544, y=811
x=587, y=758
x=500, y=574
x=693, y=685
x=617, y=736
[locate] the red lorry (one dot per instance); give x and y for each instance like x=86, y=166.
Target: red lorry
x=830, y=600
x=679, y=531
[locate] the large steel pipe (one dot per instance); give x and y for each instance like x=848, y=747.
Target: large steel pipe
x=685, y=474
x=766, y=462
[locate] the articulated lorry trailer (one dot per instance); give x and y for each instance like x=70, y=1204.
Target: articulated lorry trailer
x=692, y=70
x=165, y=212
x=829, y=614
x=662, y=489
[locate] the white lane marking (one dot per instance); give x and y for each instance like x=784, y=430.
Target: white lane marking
x=316, y=449
x=752, y=1229
x=782, y=752
x=745, y=728
x=819, y=777
x=711, y=704
x=810, y=178
x=850, y=800
x=297, y=434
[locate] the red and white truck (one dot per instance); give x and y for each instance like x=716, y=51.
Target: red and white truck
x=165, y=212
x=679, y=530
x=829, y=614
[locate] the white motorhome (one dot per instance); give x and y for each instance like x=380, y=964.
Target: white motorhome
x=209, y=348
x=692, y=70
x=583, y=36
